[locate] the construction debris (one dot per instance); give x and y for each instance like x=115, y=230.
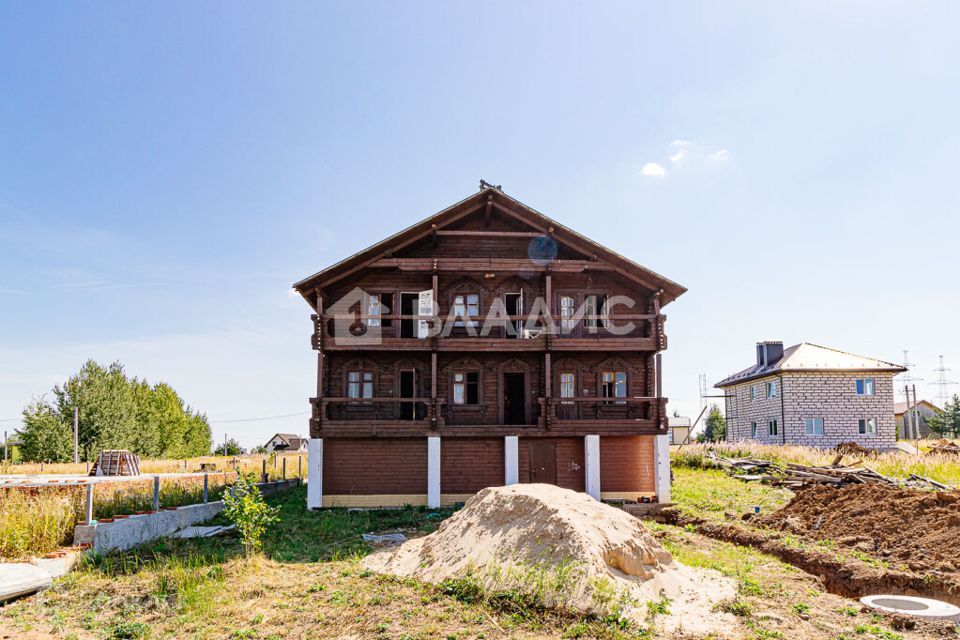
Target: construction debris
x=796, y=476
x=945, y=446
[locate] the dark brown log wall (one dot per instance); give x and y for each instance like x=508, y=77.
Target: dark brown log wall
x=626, y=463
x=468, y=465
x=372, y=466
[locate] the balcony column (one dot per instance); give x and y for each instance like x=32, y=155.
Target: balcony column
x=511, y=460
x=591, y=460
x=319, y=339
x=315, y=473
x=433, y=472
x=661, y=462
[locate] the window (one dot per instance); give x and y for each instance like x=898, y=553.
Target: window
x=360, y=384
x=753, y=429
x=568, y=385
x=613, y=384
x=813, y=426
x=377, y=304
x=595, y=305
x=868, y=426
x=753, y=392
x=566, y=314
x=865, y=387
x=466, y=388
x=772, y=389
x=466, y=306
x=773, y=428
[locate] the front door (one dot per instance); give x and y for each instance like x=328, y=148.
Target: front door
x=543, y=463
x=407, y=390
x=514, y=394
x=409, y=304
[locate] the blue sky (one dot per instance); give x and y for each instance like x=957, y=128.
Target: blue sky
x=168, y=170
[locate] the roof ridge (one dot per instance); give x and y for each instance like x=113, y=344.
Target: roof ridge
x=849, y=353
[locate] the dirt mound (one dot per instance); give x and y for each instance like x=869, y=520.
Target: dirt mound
x=571, y=550
x=917, y=529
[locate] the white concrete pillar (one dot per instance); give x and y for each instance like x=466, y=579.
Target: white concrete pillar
x=661, y=462
x=511, y=460
x=433, y=472
x=315, y=473
x=591, y=458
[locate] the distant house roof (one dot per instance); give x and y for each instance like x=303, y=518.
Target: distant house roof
x=293, y=440
x=812, y=357
x=900, y=408
x=678, y=421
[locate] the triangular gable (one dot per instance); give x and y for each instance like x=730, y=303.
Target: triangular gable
x=491, y=202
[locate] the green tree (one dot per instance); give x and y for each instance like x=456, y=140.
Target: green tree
x=233, y=449
x=115, y=412
x=244, y=506
x=947, y=423
x=715, y=429
x=44, y=436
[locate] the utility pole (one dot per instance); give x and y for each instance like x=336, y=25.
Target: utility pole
x=4, y=446
x=916, y=416
x=76, y=434
x=703, y=391
x=224, y=443
x=943, y=383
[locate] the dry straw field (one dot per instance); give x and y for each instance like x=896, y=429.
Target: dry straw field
x=37, y=520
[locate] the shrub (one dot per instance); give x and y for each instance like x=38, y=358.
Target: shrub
x=245, y=507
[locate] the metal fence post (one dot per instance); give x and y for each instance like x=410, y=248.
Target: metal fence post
x=300, y=466
x=89, y=503
x=284, y=465
x=263, y=471
x=205, y=476
x=156, y=493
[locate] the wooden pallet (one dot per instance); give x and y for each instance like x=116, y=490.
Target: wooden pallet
x=116, y=462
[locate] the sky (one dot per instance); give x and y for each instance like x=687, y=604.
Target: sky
x=168, y=170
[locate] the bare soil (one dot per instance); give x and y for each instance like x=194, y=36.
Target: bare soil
x=913, y=530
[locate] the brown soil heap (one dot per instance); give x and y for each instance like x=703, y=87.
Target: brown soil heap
x=916, y=528
x=576, y=552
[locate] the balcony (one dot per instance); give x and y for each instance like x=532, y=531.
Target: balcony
x=365, y=417
x=398, y=332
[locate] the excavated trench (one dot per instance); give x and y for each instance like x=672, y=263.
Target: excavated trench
x=844, y=576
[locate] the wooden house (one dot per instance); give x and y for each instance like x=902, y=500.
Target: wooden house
x=486, y=345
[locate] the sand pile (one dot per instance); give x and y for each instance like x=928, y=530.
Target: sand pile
x=917, y=528
x=573, y=551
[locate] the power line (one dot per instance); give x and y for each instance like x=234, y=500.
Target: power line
x=287, y=415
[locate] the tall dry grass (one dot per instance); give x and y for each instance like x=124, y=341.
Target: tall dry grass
x=38, y=520
x=245, y=464
x=939, y=467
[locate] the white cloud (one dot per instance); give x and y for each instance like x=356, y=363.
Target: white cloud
x=720, y=155
x=679, y=150
x=686, y=155
x=654, y=170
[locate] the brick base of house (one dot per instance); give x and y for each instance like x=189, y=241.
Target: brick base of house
x=434, y=471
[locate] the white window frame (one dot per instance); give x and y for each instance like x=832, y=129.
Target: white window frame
x=813, y=426
x=773, y=427
x=772, y=389
x=866, y=387
x=753, y=430
x=867, y=426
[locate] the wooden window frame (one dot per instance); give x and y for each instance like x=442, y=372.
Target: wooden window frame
x=461, y=322
x=465, y=383
x=614, y=399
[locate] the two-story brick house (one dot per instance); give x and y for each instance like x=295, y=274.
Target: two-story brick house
x=811, y=395
x=486, y=345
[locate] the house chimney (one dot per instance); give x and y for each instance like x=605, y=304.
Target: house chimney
x=769, y=352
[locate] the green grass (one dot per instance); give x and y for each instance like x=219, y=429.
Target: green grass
x=309, y=571
x=711, y=493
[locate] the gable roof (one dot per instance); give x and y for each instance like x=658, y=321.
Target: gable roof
x=901, y=407
x=811, y=357
x=495, y=198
